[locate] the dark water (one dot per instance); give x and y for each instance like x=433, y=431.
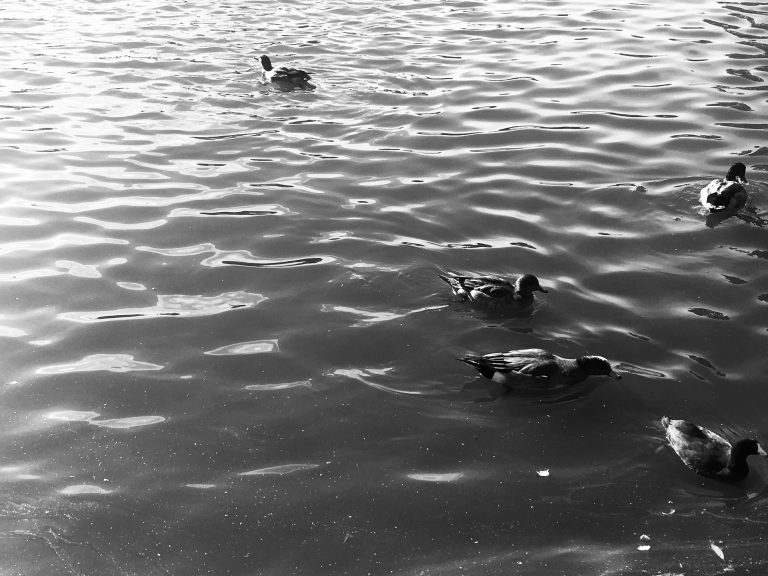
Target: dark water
x=225, y=349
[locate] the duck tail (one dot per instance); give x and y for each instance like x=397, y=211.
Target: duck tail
x=447, y=279
x=479, y=363
x=457, y=286
x=714, y=199
x=467, y=290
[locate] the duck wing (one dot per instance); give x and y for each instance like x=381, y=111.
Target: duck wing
x=291, y=75
x=702, y=450
x=689, y=430
x=530, y=362
x=710, y=190
x=475, y=282
x=493, y=291
x=487, y=287
x=532, y=353
x=483, y=289
x=455, y=282
x=718, y=194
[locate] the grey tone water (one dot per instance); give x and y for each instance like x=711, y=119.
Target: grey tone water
x=225, y=347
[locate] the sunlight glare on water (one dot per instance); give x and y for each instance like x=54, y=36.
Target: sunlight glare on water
x=226, y=349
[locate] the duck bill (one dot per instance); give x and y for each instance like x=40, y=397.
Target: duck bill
x=760, y=451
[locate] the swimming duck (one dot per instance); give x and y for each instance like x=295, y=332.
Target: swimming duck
x=728, y=193
x=710, y=454
x=285, y=76
x=494, y=291
x=534, y=368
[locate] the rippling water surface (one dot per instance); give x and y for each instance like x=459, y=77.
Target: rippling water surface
x=225, y=347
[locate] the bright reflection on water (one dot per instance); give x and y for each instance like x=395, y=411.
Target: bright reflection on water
x=225, y=346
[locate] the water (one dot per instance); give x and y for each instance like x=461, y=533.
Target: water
x=225, y=347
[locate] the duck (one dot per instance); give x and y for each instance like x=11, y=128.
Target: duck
x=728, y=193
x=708, y=453
x=493, y=291
x=289, y=77
x=534, y=368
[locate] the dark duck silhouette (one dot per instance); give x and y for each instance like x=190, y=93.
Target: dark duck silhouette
x=710, y=454
x=726, y=194
x=537, y=369
x=492, y=291
x=286, y=78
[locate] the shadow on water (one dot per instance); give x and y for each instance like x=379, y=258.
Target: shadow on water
x=498, y=393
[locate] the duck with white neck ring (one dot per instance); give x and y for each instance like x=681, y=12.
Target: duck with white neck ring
x=286, y=78
x=727, y=194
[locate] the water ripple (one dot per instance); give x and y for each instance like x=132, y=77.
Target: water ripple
x=143, y=155
x=121, y=225
x=254, y=347
x=235, y=257
x=56, y=243
x=127, y=423
x=364, y=376
x=116, y=423
x=280, y=470
x=279, y=386
x=239, y=211
x=368, y=317
x=84, y=490
x=173, y=306
x=435, y=477
x=95, y=362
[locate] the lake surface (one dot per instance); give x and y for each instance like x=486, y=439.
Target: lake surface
x=225, y=349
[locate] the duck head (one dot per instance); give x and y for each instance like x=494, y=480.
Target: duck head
x=749, y=447
x=528, y=284
x=737, y=467
x=266, y=62
x=597, y=366
x=737, y=173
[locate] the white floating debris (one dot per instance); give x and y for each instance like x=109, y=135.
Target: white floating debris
x=644, y=547
x=717, y=550
x=543, y=472
x=72, y=415
x=279, y=386
x=280, y=470
x=125, y=423
x=435, y=477
x=82, y=489
x=131, y=286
